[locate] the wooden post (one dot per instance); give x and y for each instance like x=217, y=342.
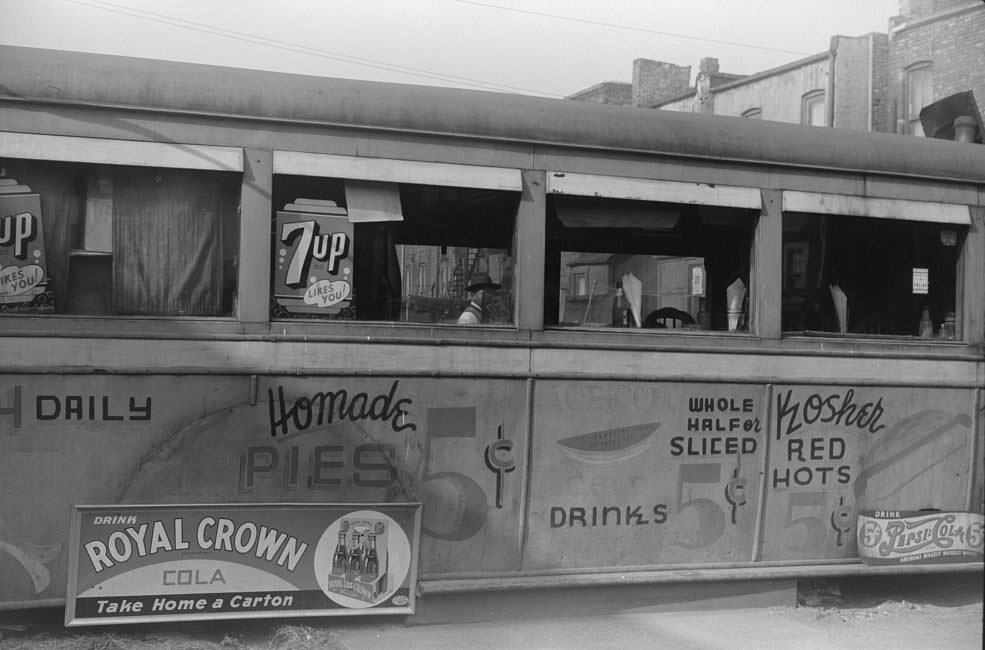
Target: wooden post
x=767, y=268
x=530, y=251
x=970, y=298
x=253, y=283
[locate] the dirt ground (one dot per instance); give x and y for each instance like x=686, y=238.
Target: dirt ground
x=929, y=612
x=916, y=612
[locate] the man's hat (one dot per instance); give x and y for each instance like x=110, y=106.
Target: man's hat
x=481, y=281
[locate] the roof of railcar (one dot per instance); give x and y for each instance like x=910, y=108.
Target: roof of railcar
x=39, y=75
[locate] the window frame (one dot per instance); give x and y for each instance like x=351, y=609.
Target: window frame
x=133, y=153
x=877, y=207
x=396, y=172
x=93, y=153
x=671, y=192
x=809, y=100
x=900, y=210
x=914, y=126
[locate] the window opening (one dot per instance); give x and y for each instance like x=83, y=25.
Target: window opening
x=420, y=259
x=919, y=93
x=869, y=276
x=118, y=240
x=665, y=265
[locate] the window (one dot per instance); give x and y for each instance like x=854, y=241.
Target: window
x=919, y=93
x=869, y=275
x=672, y=264
x=753, y=113
x=352, y=249
x=82, y=238
x=579, y=284
x=812, y=109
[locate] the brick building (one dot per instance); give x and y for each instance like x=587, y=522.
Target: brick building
x=937, y=48
x=874, y=82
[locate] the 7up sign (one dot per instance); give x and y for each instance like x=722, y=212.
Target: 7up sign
x=313, y=258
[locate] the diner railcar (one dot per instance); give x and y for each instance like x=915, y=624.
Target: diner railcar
x=705, y=343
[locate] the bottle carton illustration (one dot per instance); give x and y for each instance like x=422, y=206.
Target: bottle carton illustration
x=360, y=560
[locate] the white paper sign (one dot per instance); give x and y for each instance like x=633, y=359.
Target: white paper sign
x=921, y=281
x=697, y=280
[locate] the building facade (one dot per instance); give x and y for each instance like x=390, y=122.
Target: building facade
x=937, y=48
x=874, y=82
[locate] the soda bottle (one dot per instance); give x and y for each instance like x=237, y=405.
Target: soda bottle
x=926, y=329
x=371, y=567
x=339, y=557
x=619, y=316
x=354, y=564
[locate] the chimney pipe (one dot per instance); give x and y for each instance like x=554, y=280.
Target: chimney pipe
x=965, y=128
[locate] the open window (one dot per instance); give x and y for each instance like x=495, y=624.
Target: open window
x=676, y=256
x=871, y=267
x=82, y=233
x=389, y=241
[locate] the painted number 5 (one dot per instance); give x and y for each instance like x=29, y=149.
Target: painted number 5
x=805, y=533
x=707, y=523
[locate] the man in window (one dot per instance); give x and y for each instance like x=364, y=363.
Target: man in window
x=473, y=314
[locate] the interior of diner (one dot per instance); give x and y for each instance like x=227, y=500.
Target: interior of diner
x=684, y=266
x=869, y=276
x=674, y=266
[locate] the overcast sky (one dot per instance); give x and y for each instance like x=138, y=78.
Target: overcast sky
x=540, y=47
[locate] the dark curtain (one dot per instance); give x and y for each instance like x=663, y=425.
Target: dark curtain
x=167, y=243
x=377, y=273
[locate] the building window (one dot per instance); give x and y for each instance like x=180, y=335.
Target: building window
x=919, y=93
x=812, y=109
x=579, y=284
x=117, y=239
x=349, y=249
x=753, y=113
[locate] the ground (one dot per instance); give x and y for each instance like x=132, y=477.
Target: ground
x=902, y=613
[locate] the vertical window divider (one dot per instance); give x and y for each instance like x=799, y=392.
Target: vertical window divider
x=767, y=267
x=531, y=250
x=970, y=299
x=256, y=210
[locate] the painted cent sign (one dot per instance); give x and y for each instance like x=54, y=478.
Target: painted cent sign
x=134, y=564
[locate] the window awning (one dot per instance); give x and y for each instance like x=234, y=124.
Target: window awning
x=120, y=152
x=864, y=206
x=396, y=171
x=642, y=189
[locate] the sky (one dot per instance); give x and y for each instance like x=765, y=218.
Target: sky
x=548, y=48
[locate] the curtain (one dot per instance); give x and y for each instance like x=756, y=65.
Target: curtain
x=167, y=242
